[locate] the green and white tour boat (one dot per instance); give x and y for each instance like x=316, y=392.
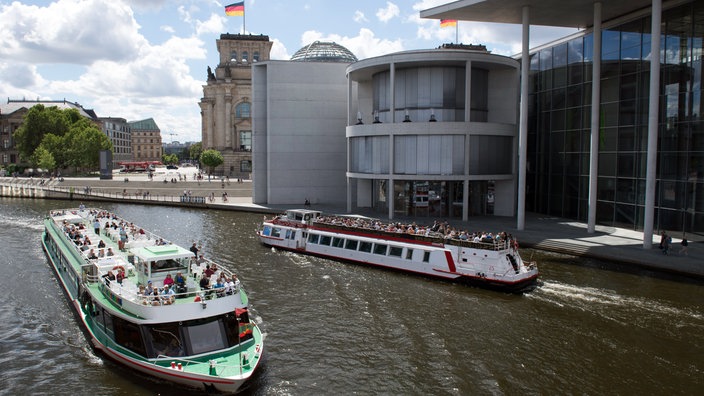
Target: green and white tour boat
x=196, y=332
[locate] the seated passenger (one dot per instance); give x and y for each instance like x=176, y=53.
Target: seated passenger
x=101, y=244
x=110, y=252
x=168, y=281
x=180, y=283
x=167, y=296
x=110, y=276
x=92, y=255
x=120, y=275
x=220, y=287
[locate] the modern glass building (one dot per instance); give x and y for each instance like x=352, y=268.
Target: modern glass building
x=559, y=123
x=638, y=162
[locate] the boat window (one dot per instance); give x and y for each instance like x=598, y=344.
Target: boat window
x=128, y=335
x=395, y=251
x=379, y=249
x=365, y=247
x=276, y=232
x=108, y=324
x=351, y=244
x=426, y=257
x=338, y=242
x=266, y=231
x=313, y=238
x=165, y=340
x=290, y=234
x=325, y=240
x=409, y=254
x=169, y=265
x=205, y=337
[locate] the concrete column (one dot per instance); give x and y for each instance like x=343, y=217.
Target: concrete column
x=523, y=123
x=596, y=105
x=228, y=121
x=467, y=118
x=654, y=99
x=392, y=91
x=390, y=197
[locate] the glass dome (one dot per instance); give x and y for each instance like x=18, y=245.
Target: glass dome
x=321, y=51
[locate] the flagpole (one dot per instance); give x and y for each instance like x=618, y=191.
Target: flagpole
x=244, y=22
x=457, y=32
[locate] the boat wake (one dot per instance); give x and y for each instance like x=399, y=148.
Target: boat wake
x=611, y=304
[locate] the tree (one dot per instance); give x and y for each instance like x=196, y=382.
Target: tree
x=169, y=159
x=42, y=158
x=38, y=122
x=87, y=141
x=195, y=150
x=211, y=158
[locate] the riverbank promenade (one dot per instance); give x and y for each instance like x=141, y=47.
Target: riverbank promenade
x=623, y=247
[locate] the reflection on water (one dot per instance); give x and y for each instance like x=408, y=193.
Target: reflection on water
x=343, y=328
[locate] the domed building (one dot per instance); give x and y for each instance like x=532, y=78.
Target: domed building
x=299, y=114
x=324, y=51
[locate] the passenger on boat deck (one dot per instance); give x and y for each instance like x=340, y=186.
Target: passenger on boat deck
x=101, y=253
x=101, y=244
x=120, y=275
x=208, y=271
x=155, y=296
x=220, y=287
x=229, y=285
x=110, y=276
x=96, y=226
x=168, y=281
x=92, y=255
x=201, y=259
x=142, y=294
x=168, y=295
x=194, y=249
x=205, y=283
x=179, y=280
x=110, y=252
x=236, y=283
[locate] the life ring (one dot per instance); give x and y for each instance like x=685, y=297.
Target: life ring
x=118, y=268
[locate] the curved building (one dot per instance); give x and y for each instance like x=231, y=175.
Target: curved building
x=433, y=133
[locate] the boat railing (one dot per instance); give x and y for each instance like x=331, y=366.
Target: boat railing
x=432, y=237
x=216, y=369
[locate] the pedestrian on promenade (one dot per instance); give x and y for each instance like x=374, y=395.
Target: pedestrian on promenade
x=684, y=247
x=666, y=244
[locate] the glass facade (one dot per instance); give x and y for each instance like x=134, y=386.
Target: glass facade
x=559, y=125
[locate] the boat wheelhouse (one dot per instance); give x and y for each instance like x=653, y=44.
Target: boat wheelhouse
x=196, y=331
x=487, y=261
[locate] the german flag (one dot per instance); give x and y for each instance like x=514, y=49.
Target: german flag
x=446, y=22
x=235, y=9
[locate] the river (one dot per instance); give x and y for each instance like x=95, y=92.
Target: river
x=335, y=328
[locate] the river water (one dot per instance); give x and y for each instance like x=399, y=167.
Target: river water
x=336, y=328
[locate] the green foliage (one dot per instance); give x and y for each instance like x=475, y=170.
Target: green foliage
x=65, y=136
x=42, y=158
x=211, y=158
x=169, y=159
x=38, y=122
x=195, y=150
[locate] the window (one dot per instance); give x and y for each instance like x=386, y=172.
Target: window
x=276, y=232
x=365, y=247
x=351, y=244
x=242, y=110
x=313, y=238
x=395, y=251
x=255, y=56
x=246, y=140
x=245, y=57
x=233, y=56
x=409, y=254
x=245, y=166
x=379, y=249
x=165, y=340
x=205, y=337
x=325, y=240
x=426, y=257
x=338, y=242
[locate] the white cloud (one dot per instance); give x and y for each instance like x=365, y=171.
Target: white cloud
x=385, y=14
x=278, y=50
x=214, y=24
x=359, y=17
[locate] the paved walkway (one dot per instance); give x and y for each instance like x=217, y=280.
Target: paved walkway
x=541, y=232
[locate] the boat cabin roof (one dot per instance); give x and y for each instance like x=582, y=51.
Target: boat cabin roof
x=302, y=215
x=162, y=252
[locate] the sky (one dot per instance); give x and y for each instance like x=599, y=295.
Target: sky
x=139, y=59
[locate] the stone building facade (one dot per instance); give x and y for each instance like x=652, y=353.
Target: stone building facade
x=146, y=140
x=226, y=104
